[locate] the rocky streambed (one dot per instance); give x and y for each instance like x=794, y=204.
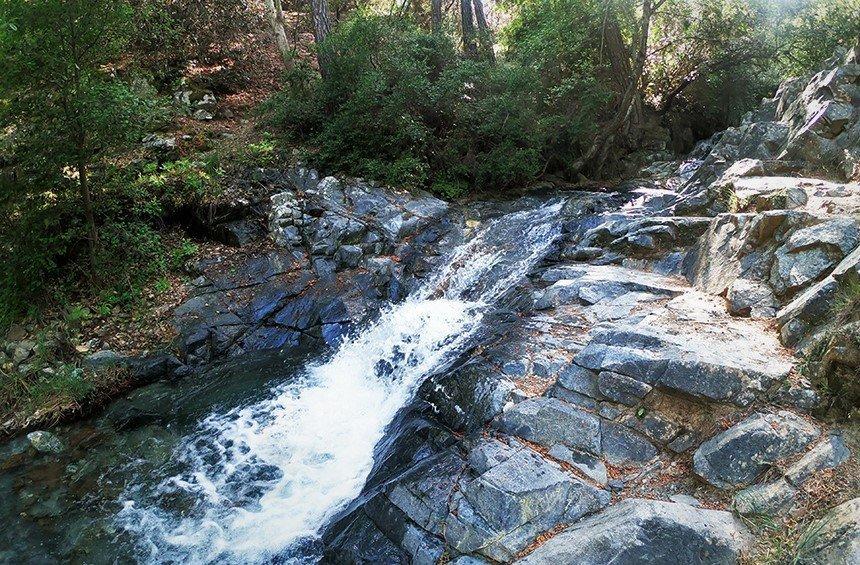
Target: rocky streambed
x=568, y=377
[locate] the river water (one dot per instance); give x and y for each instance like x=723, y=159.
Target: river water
x=262, y=451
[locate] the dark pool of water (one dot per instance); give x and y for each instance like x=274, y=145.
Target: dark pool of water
x=61, y=508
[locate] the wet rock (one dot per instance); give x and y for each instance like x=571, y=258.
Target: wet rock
x=45, y=442
x=738, y=455
x=838, y=536
x=549, y=421
x=647, y=531
x=144, y=406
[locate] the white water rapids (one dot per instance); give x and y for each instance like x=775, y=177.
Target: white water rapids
x=262, y=477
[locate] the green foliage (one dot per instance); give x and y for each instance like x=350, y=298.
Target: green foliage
x=172, y=185
x=182, y=253
x=399, y=105
x=812, y=30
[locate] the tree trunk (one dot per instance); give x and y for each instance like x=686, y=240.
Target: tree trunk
x=93, y=238
x=275, y=16
x=322, y=27
x=470, y=48
x=436, y=15
x=607, y=135
x=485, y=34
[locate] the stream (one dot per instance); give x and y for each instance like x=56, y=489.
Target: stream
x=253, y=457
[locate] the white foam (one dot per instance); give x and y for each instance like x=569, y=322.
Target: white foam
x=308, y=449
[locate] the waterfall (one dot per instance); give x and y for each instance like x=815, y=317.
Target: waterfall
x=263, y=477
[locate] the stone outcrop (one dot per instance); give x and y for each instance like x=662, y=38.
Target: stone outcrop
x=647, y=531
x=741, y=453
x=836, y=537
x=643, y=343
x=339, y=250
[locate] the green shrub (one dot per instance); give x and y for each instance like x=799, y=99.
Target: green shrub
x=399, y=105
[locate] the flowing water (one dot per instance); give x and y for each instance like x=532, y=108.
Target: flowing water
x=256, y=480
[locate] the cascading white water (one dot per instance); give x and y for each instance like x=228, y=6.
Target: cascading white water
x=264, y=476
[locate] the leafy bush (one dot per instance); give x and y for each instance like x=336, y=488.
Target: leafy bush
x=399, y=105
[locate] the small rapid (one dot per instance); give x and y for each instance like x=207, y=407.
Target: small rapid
x=259, y=479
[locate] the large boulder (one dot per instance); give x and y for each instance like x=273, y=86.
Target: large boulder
x=499, y=512
x=835, y=539
x=647, y=531
x=549, y=421
x=738, y=455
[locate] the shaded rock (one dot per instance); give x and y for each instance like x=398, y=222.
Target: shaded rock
x=738, y=455
x=647, y=531
x=579, y=380
x=622, y=445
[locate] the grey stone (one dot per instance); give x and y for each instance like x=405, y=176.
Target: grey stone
x=752, y=298
x=45, y=442
x=639, y=531
x=685, y=499
x=490, y=453
x=768, y=499
x=104, y=359
x=579, y=380
x=829, y=454
x=595, y=283
x=793, y=271
x=591, y=466
x=622, y=445
x=699, y=364
x=620, y=388
x=348, y=256
x=549, y=421
x=841, y=233
x=501, y=511
x=571, y=397
x=738, y=455
x=837, y=537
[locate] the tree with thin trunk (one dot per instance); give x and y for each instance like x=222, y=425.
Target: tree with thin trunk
x=66, y=107
x=604, y=139
x=275, y=15
x=485, y=34
x=322, y=27
x=467, y=26
x=436, y=15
